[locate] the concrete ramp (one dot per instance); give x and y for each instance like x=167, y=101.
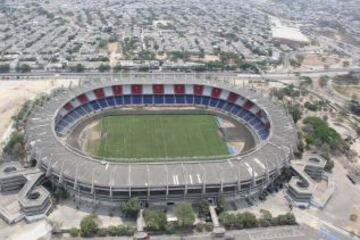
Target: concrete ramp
x=214, y=216
x=29, y=201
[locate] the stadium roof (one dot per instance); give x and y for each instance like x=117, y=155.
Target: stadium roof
x=64, y=162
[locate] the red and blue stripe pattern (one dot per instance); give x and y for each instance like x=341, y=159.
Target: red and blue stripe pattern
x=163, y=94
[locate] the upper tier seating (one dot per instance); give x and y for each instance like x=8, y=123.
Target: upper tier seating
x=66, y=122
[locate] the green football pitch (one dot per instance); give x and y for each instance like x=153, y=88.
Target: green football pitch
x=158, y=136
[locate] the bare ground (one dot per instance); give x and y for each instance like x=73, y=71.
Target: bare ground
x=13, y=95
x=90, y=137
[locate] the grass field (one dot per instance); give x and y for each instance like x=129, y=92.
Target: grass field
x=158, y=136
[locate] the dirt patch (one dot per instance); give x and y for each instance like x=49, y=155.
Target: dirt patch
x=316, y=61
x=90, y=138
x=348, y=91
x=113, y=53
x=206, y=58
x=13, y=95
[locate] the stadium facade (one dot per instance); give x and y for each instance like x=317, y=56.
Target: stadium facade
x=97, y=179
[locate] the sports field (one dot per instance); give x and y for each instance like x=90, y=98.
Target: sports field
x=158, y=136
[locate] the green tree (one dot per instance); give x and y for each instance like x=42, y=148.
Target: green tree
x=305, y=81
x=144, y=68
x=117, y=68
x=277, y=93
x=285, y=219
x=60, y=193
x=185, y=214
x=317, y=132
x=16, y=146
x=290, y=91
x=146, y=55
x=221, y=204
x=104, y=68
x=204, y=208
x=265, y=219
x=126, y=230
x=102, y=232
x=228, y=220
x=155, y=220
x=249, y=220
x=329, y=165
x=300, y=146
x=77, y=68
x=74, y=232
x=294, y=111
x=355, y=107
x=113, y=231
x=23, y=68
x=23, y=113
x=324, y=80
x=4, y=68
x=89, y=225
x=130, y=208
x=120, y=230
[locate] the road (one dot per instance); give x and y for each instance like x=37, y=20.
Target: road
x=47, y=75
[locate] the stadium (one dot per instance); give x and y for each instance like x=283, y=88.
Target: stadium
x=160, y=138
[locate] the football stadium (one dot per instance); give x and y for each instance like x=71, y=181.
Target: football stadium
x=160, y=138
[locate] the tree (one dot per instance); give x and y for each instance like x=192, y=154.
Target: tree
x=113, y=231
x=266, y=218
x=117, y=68
x=126, y=230
x=60, y=193
x=355, y=107
x=295, y=111
x=16, y=146
x=317, y=132
x=329, y=165
x=102, y=232
x=228, y=220
x=4, y=68
x=305, y=81
x=277, y=93
x=78, y=68
x=324, y=80
x=104, y=68
x=130, y=208
x=300, y=146
x=120, y=230
x=291, y=91
x=249, y=220
x=146, y=55
x=185, y=214
x=23, y=113
x=144, y=68
x=155, y=220
x=221, y=204
x=23, y=68
x=285, y=219
x=356, y=128
x=89, y=225
x=204, y=208
x=311, y=106
x=74, y=232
